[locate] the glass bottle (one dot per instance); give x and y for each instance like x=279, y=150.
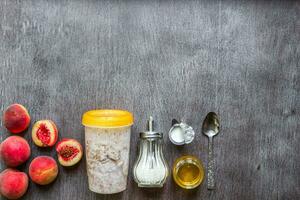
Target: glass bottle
x=150, y=168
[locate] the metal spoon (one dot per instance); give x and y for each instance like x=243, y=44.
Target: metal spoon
x=210, y=128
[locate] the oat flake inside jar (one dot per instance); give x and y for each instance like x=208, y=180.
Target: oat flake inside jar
x=107, y=141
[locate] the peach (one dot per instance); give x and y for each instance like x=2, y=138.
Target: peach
x=14, y=151
x=44, y=133
x=69, y=152
x=43, y=170
x=16, y=118
x=13, y=183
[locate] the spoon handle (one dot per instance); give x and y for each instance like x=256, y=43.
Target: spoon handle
x=211, y=165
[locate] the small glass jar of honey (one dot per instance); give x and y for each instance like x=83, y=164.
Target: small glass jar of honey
x=188, y=172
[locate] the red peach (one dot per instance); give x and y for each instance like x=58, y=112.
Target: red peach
x=14, y=151
x=44, y=133
x=13, y=183
x=16, y=118
x=43, y=170
x=69, y=152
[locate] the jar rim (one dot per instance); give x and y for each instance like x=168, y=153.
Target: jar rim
x=107, y=118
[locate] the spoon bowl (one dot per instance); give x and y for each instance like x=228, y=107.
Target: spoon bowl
x=211, y=125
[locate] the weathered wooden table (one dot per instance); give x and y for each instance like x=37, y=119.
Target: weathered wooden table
x=169, y=59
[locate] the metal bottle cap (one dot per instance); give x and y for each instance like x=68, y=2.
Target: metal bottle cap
x=150, y=133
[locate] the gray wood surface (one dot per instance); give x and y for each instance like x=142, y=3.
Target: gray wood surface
x=171, y=59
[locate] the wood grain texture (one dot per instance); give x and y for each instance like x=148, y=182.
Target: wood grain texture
x=171, y=59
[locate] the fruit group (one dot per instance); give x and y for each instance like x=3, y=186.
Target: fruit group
x=44, y=133
x=14, y=151
x=16, y=118
x=13, y=183
x=43, y=170
x=69, y=152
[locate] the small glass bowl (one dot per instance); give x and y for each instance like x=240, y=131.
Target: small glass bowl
x=188, y=172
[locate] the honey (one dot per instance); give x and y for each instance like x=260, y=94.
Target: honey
x=188, y=172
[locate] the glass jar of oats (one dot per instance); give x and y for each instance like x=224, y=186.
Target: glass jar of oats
x=107, y=144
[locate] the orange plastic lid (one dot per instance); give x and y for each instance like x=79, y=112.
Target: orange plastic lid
x=107, y=118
